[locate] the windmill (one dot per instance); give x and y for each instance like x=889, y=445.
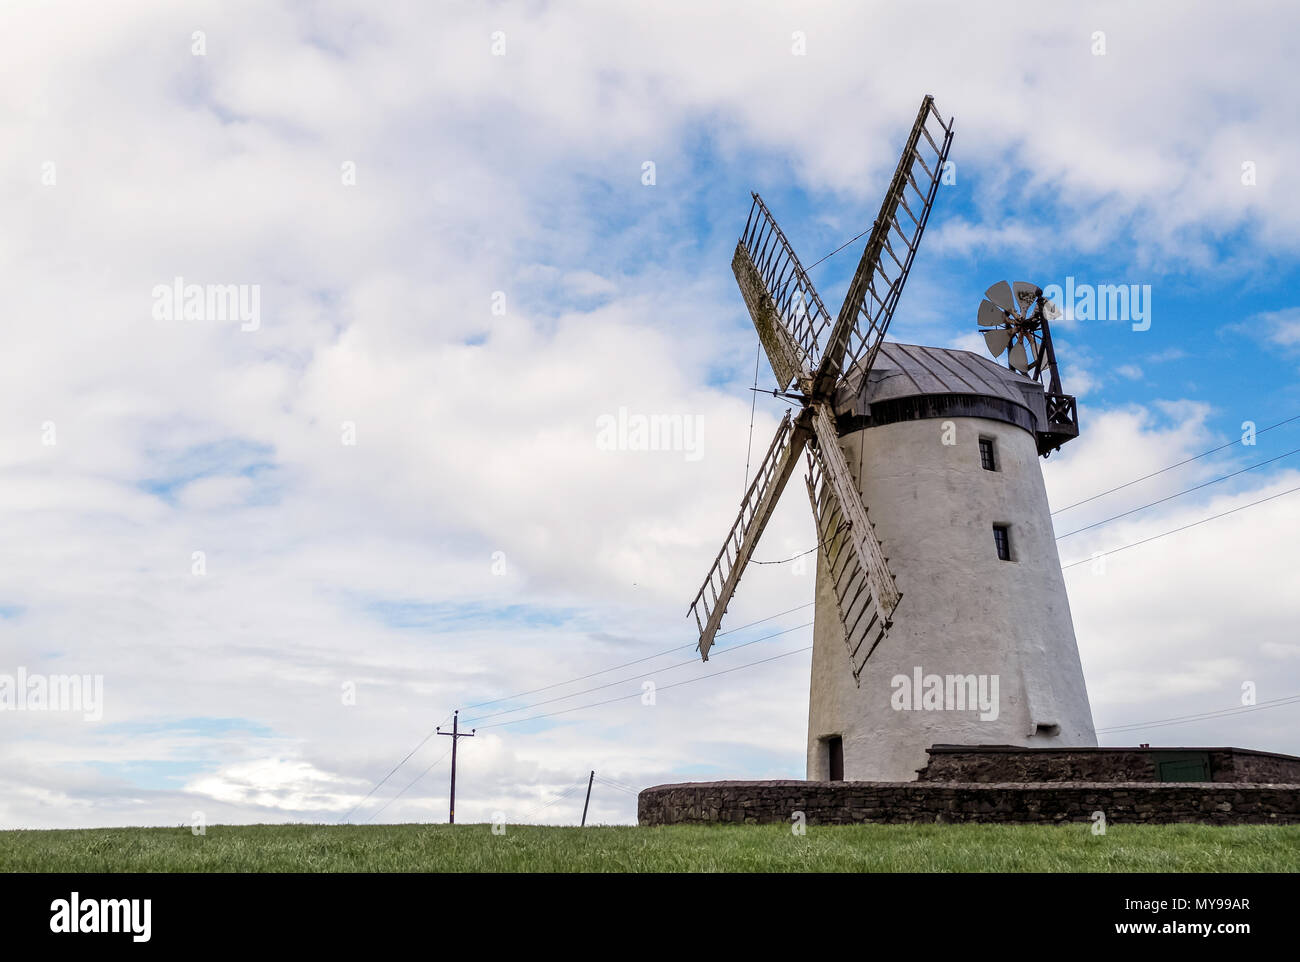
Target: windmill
x=860, y=399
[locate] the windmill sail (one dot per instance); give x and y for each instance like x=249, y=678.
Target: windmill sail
x=887, y=258
x=864, y=628
x=760, y=500
x=787, y=311
x=839, y=481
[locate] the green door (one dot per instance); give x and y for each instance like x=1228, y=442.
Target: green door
x=1183, y=767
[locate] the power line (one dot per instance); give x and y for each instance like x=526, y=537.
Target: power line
x=1125, y=485
x=1196, y=457
x=1149, y=505
x=541, y=808
x=797, y=651
x=1065, y=567
x=634, y=792
x=815, y=547
x=732, y=631
x=1134, y=544
x=620, y=681
x=636, y=661
x=637, y=694
x=620, y=786
x=1115, y=729
x=617, y=782
x=409, y=784
x=390, y=774
x=594, y=674
x=1203, y=716
x=617, y=788
x=1193, y=524
x=1198, y=487
x=558, y=798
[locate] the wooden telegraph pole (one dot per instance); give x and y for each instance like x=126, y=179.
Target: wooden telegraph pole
x=590, y=779
x=455, y=735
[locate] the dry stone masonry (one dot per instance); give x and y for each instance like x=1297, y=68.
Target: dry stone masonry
x=1001, y=784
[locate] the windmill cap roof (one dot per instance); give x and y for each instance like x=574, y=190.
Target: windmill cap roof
x=908, y=370
x=911, y=382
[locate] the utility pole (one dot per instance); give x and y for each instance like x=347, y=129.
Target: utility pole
x=456, y=735
x=590, y=779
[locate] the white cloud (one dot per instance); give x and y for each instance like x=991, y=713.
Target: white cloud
x=475, y=432
x=1280, y=327
x=275, y=783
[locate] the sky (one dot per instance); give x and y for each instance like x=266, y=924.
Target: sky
x=291, y=541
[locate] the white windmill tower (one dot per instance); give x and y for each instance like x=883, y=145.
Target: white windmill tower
x=955, y=579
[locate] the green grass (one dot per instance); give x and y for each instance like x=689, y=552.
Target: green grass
x=722, y=848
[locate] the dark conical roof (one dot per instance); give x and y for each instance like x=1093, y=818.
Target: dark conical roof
x=956, y=381
x=908, y=370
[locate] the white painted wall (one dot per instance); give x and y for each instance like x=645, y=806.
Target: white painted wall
x=963, y=610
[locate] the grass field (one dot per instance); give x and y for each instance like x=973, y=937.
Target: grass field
x=739, y=848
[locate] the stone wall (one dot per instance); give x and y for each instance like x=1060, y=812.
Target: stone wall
x=842, y=803
x=999, y=763
x=1242, y=765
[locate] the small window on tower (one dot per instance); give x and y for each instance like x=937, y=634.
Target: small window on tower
x=1002, y=538
x=988, y=457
